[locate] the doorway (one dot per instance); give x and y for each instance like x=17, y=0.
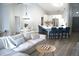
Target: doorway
x=75, y=24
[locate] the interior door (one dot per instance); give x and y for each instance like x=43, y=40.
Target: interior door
x=17, y=23
x=75, y=24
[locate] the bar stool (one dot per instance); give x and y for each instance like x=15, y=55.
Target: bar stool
x=66, y=32
x=53, y=33
x=60, y=32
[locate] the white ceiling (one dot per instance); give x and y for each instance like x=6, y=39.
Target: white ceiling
x=50, y=9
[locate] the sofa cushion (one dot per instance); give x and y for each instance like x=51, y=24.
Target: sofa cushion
x=10, y=52
x=42, y=36
x=36, y=41
x=24, y=46
x=18, y=54
x=27, y=35
x=1, y=43
x=19, y=39
x=4, y=52
x=35, y=36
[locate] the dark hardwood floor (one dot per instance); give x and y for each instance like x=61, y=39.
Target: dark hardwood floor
x=64, y=47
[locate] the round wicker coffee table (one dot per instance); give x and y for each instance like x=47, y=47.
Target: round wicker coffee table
x=44, y=49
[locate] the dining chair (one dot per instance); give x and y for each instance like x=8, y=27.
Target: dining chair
x=60, y=32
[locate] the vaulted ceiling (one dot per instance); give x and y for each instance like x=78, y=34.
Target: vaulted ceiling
x=51, y=9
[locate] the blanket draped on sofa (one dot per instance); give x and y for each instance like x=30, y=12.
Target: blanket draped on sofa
x=8, y=42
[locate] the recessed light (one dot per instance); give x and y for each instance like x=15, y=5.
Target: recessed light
x=77, y=12
x=57, y=4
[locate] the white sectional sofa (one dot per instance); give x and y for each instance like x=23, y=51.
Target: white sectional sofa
x=10, y=52
x=19, y=45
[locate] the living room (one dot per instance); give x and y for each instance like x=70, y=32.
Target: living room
x=34, y=29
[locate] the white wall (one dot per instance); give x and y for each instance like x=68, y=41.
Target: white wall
x=63, y=17
x=4, y=17
x=9, y=11
x=34, y=12
x=66, y=14
x=0, y=19
x=7, y=17
x=70, y=16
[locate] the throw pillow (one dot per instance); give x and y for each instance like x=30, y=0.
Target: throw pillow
x=35, y=36
x=27, y=35
x=11, y=40
x=19, y=39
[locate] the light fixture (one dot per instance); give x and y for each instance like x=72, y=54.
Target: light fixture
x=57, y=4
x=26, y=17
x=77, y=12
